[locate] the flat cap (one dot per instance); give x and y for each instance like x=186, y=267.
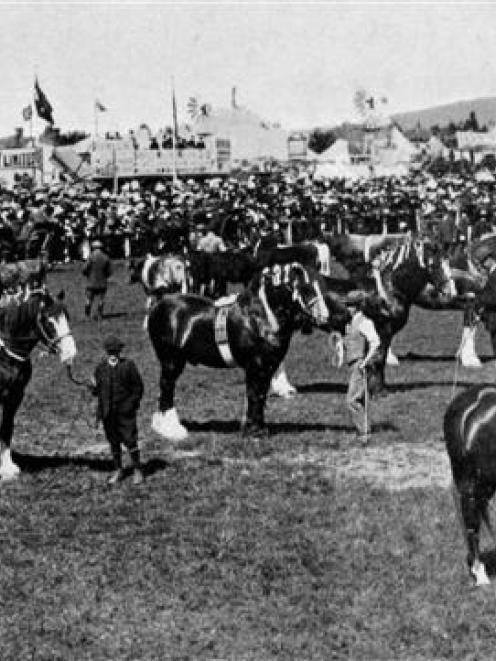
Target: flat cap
x=112, y=344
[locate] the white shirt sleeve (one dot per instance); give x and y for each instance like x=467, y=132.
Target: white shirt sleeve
x=367, y=329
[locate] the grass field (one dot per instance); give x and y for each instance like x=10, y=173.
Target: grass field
x=300, y=547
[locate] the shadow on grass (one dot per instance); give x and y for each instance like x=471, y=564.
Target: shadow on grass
x=36, y=463
x=234, y=427
x=390, y=388
x=419, y=357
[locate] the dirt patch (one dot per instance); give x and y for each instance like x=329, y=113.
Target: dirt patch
x=394, y=467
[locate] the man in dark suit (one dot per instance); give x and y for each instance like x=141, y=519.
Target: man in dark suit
x=119, y=388
x=97, y=271
x=485, y=301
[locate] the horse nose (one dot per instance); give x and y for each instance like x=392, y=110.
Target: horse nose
x=68, y=349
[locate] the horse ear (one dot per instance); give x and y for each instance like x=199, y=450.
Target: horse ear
x=61, y=295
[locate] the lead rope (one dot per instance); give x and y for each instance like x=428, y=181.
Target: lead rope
x=455, y=375
x=366, y=405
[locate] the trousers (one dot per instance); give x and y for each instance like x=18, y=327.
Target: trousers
x=355, y=398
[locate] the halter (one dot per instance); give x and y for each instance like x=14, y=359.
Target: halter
x=50, y=342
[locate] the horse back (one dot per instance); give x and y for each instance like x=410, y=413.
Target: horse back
x=470, y=434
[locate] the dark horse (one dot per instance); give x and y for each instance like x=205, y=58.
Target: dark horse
x=253, y=333
x=391, y=289
x=469, y=430
x=38, y=318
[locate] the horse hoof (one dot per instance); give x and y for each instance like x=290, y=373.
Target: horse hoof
x=168, y=426
x=9, y=476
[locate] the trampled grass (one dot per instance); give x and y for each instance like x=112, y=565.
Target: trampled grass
x=298, y=547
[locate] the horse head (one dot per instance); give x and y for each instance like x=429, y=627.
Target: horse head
x=52, y=325
x=289, y=288
x=438, y=270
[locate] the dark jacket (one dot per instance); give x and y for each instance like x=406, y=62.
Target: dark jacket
x=97, y=270
x=119, y=389
x=487, y=297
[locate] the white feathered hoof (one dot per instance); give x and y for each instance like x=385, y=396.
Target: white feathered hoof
x=468, y=356
x=8, y=469
x=470, y=361
x=281, y=387
x=169, y=426
x=478, y=571
x=391, y=359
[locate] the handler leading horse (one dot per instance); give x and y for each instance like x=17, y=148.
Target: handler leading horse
x=39, y=318
x=253, y=333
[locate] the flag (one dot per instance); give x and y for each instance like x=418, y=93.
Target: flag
x=174, y=115
x=42, y=104
x=27, y=113
x=99, y=106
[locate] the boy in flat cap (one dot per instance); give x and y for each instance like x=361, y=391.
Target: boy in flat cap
x=119, y=388
x=97, y=270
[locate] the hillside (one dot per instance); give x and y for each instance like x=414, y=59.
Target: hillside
x=484, y=108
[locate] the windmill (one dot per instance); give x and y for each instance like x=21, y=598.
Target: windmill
x=197, y=109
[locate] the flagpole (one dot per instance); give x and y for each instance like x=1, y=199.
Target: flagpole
x=174, y=172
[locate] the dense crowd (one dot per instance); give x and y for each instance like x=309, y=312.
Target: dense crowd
x=160, y=216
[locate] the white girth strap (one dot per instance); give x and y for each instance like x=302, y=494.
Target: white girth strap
x=221, y=339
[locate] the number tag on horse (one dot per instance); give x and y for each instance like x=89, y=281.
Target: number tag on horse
x=220, y=329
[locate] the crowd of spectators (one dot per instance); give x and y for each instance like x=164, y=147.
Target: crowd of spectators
x=162, y=216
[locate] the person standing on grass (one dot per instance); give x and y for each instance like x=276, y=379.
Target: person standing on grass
x=97, y=270
x=119, y=388
x=360, y=344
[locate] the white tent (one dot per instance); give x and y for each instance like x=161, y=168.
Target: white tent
x=338, y=153
x=251, y=137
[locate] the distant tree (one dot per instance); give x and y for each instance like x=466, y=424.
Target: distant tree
x=319, y=140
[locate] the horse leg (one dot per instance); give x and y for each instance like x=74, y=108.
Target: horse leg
x=472, y=507
x=257, y=388
x=487, y=521
x=166, y=422
x=8, y=469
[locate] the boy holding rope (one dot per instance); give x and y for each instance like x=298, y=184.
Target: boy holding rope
x=119, y=388
x=360, y=343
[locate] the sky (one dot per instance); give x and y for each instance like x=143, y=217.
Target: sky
x=298, y=64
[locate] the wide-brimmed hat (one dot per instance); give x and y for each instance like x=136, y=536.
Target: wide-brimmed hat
x=112, y=344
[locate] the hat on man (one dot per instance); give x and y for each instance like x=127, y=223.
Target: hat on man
x=97, y=244
x=112, y=344
x=355, y=297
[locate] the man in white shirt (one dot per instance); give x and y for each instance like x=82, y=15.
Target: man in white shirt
x=361, y=342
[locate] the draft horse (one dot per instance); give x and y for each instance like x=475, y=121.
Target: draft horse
x=23, y=324
x=390, y=290
x=252, y=332
x=469, y=431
